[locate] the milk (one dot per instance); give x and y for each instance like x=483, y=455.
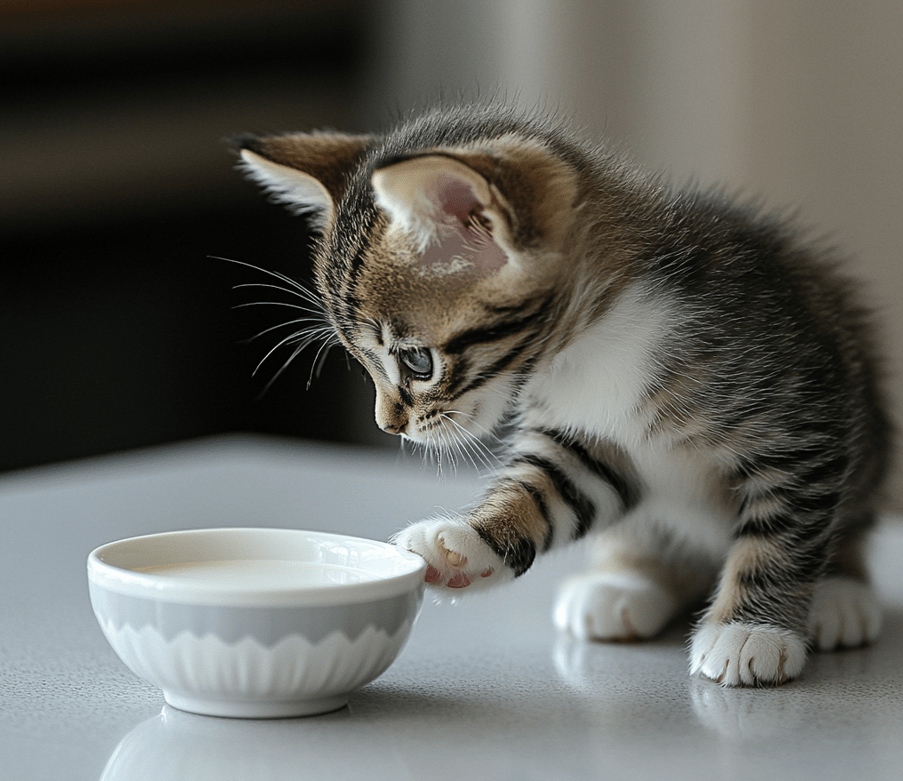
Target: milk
x=259, y=574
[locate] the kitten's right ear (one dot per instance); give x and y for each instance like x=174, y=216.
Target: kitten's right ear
x=305, y=171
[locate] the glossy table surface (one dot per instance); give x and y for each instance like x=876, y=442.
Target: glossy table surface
x=485, y=688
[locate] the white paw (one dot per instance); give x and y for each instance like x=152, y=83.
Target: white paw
x=613, y=606
x=456, y=555
x=746, y=654
x=845, y=614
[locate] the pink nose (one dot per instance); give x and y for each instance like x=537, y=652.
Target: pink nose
x=389, y=428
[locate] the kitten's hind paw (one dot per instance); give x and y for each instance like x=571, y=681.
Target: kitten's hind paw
x=613, y=606
x=845, y=613
x=744, y=654
x=455, y=554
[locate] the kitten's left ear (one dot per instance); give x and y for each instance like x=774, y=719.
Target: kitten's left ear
x=305, y=171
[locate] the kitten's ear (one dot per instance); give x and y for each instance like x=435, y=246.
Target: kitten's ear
x=307, y=172
x=519, y=193
x=427, y=195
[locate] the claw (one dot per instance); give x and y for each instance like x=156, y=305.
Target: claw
x=455, y=559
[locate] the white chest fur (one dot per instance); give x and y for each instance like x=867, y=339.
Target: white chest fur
x=598, y=381
x=596, y=386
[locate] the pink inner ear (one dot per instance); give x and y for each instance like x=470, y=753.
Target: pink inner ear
x=470, y=243
x=456, y=198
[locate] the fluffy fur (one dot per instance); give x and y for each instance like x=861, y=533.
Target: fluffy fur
x=691, y=382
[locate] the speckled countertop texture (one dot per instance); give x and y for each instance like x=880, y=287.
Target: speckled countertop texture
x=485, y=689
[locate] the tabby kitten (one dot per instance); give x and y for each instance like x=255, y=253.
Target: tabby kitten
x=690, y=382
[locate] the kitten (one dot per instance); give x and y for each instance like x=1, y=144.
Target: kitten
x=690, y=382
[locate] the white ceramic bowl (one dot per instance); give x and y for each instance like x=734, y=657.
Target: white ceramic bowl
x=255, y=623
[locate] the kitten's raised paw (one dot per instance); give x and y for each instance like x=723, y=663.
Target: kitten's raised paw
x=455, y=554
x=613, y=606
x=845, y=613
x=743, y=654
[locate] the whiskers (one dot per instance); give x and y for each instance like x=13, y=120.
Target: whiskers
x=447, y=443
x=311, y=328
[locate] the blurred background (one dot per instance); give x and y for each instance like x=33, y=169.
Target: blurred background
x=117, y=328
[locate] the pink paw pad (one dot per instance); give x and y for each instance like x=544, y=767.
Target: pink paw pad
x=458, y=580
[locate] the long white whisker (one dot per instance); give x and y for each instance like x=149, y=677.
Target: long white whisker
x=465, y=448
x=317, y=363
x=306, y=295
x=318, y=310
x=327, y=345
x=293, y=322
x=313, y=334
x=304, y=337
x=488, y=433
x=478, y=451
x=282, y=277
x=475, y=447
x=319, y=329
x=450, y=444
x=279, y=303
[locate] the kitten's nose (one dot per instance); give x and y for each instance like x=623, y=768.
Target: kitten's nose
x=393, y=429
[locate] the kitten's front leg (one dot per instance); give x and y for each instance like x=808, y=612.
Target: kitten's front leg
x=553, y=491
x=493, y=543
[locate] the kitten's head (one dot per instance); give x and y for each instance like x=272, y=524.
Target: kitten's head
x=442, y=258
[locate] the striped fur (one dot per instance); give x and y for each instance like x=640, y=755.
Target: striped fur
x=691, y=382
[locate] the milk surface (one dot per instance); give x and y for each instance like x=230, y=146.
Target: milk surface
x=259, y=574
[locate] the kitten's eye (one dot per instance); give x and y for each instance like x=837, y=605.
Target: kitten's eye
x=419, y=361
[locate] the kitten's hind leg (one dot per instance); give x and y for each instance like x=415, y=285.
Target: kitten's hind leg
x=632, y=592
x=845, y=611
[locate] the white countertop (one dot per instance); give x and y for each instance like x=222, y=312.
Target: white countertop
x=485, y=689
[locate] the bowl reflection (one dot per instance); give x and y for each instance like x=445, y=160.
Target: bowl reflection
x=176, y=746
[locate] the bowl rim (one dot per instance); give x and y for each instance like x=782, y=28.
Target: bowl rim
x=408, y=575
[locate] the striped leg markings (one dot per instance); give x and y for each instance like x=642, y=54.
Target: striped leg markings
x=552, y=492
x=559, y=487
x=755, y=630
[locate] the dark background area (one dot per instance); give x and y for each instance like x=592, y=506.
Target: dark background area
x=118, y=329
